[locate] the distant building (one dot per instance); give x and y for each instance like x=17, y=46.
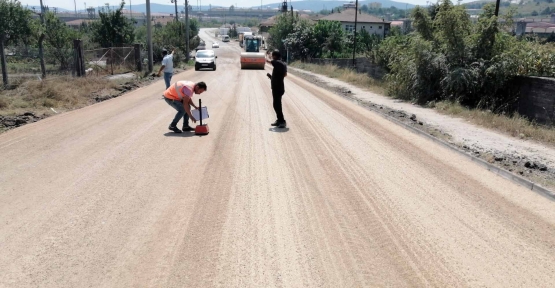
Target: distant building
x=375, y=5
x=270, y=22
x=76, y=24
x=371, y=24
x=350, y=5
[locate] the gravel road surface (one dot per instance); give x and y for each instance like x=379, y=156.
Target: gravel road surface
x=106, y=196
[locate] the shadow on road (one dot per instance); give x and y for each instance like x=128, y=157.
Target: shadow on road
x=278, y=130
x=184, y=134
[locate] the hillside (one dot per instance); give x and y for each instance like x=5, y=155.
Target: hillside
x=312, y=5
x=524, y=8
x=316, y=6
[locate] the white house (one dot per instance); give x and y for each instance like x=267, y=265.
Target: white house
x=371, y=24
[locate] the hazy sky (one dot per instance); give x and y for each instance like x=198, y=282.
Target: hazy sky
x=68, y=4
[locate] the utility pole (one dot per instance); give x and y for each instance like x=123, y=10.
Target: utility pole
x=355, y=34
x=187, y=30
x=497, y=7
x=176, y=15
x=149, y=36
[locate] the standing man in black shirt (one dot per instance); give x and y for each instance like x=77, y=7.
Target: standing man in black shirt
x=278, y=89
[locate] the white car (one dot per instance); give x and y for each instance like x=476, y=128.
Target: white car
x=215, y=45
x=205, y=59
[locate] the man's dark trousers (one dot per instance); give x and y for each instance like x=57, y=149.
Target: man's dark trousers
x=277, y=94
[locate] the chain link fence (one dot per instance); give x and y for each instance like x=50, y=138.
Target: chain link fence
x=24, y=61
x=113, y=60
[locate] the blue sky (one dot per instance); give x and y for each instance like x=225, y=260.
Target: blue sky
x=68, y=4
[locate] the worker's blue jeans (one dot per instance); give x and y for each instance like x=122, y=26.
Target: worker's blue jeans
x=177, y=105
x=167, y=79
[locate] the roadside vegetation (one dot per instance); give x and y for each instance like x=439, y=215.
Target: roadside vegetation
x=449, y=62
x=343, y=74
x=39, y=61
x=64, y=93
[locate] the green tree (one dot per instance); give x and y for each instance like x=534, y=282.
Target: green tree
x=487, y=29
x=330, y=36
x=113, y=28
x=364, y=8
x=453, y=26
x=15, y=26
x=59, y=39
x=140, y=34
x=534, y=13
x=284, y=26
x=301, y=41
x=368, y=43
x=172, y=36
x=423, y=23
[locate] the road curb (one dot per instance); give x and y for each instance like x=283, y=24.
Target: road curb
x=490, y=167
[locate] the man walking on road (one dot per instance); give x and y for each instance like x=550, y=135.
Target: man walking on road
x=180, y=97
x=278, y=88
x=167, y=66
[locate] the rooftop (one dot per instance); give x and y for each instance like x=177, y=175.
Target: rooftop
x=79, y=21
x=348, y=15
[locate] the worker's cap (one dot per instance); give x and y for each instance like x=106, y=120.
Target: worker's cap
x=164, y=51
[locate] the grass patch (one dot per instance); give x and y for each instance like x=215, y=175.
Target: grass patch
x=63, y=93
x=343, y=74
x=516, y=125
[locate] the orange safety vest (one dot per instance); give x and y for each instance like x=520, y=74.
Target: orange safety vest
x=179, y=90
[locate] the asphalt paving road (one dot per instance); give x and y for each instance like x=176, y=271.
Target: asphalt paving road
x=106, y=196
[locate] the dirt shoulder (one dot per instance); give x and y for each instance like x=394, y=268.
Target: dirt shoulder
x=534, y=161
x=34, y=100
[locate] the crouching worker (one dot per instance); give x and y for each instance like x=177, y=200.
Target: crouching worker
x=180, y=97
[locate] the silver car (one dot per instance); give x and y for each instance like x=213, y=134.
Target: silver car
x=205, y=59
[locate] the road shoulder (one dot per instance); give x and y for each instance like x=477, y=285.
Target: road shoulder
x=531, y=161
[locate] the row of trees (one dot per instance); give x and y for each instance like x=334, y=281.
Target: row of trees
x=325, y=39
x=392, y=11
x=447, y=57
x=54, y=39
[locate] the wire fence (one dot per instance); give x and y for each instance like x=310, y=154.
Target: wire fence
x=24, y=61
x=113, y=60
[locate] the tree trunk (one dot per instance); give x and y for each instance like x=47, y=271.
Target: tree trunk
x=41, y=56
x=41, y=40
x=3, y=60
